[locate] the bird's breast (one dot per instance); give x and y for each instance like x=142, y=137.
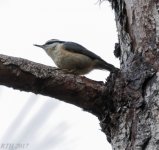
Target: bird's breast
x=76, y=62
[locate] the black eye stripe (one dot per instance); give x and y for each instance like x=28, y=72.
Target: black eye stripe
x=50, y=42
x=53, y=41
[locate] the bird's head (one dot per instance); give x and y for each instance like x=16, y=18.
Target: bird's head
x=51, y=44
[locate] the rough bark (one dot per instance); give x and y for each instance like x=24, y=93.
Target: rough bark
x=134, y=123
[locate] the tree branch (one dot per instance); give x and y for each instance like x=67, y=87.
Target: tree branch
x=33, y=77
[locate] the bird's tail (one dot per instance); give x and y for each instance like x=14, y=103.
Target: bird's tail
x=101, y=64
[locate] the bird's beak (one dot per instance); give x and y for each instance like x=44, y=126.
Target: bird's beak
x=41, y=46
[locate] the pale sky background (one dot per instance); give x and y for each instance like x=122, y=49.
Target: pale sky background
x=39, y=121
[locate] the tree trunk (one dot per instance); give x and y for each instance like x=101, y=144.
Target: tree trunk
x=134, y=122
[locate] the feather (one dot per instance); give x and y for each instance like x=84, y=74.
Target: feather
x=77, y=48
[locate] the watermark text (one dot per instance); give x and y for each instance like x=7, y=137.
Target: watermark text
x=13, y=146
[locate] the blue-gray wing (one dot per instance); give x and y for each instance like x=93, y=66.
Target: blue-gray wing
x=77, y=48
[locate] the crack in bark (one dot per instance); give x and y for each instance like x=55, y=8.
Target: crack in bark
x=145, y=144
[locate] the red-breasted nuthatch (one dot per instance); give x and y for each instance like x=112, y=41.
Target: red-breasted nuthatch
x=74, y=58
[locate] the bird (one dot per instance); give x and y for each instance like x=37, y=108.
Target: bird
x=74, y=58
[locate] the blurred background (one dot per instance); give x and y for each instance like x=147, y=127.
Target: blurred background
x=36, y=122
